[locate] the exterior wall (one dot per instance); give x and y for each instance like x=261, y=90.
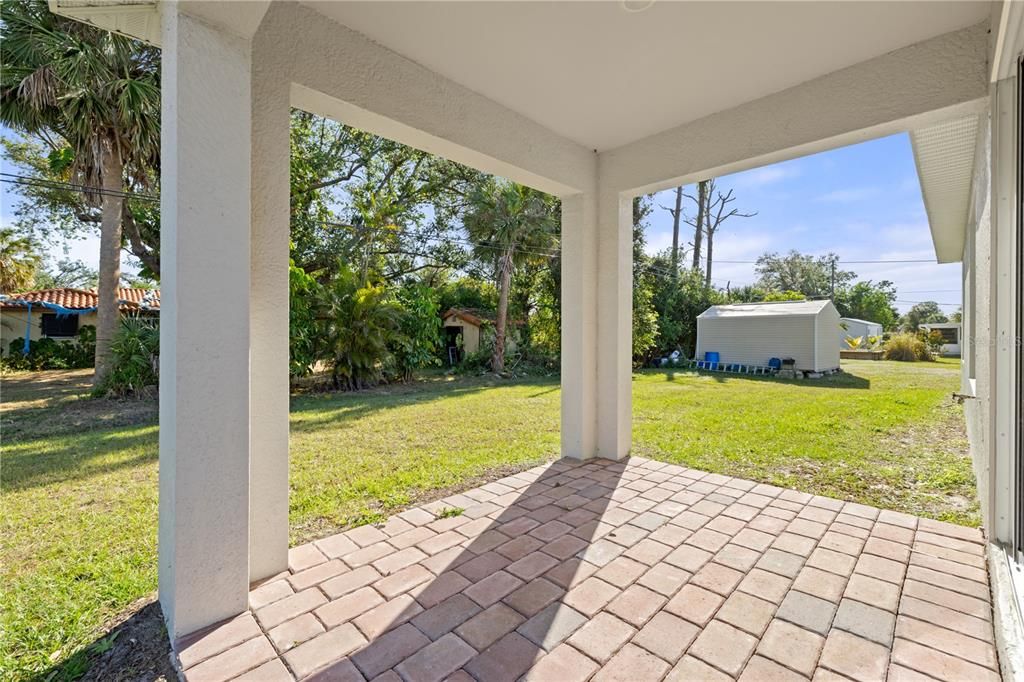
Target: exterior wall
x=826, y=325
x=755, y=340
x=12, y=325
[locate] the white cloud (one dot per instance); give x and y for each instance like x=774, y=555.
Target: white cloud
x=767, y=175
x=849, y=195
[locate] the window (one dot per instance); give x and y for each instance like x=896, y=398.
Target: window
x=57, y=326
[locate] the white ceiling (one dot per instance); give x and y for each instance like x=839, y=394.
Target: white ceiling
x=603, y=76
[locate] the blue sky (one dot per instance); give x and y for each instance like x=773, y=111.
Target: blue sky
x=862, y=202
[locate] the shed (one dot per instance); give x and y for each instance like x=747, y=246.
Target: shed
x=950, y=336
x=753, y=333
x=853, y=328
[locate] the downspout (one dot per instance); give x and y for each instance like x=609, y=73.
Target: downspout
x=27, y=347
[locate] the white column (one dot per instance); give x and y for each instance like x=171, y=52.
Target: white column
x=204, y=336
x=579, y=326
x=268, y=320
x=614, y=324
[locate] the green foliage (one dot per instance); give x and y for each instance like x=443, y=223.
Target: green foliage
x=419, y=338
x=19, y=261
x=678, y=303
x=926, y=312
x=358, y=323
x=304, y=294
x=645, y=316
x=867, y=300
x=47, y=353
x=787, y=295
x=468, y=293
x=907, y=347
x=806, y=274
x=135, y=359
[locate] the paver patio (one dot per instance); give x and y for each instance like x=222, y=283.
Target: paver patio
x=633, y=570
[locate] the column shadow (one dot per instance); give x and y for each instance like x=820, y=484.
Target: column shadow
x=494, y=605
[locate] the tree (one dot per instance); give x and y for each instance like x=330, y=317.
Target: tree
x=645, y=317
x=68, y=273
x=93, y=98
x=677, y=218
x=698, y=222
x=867, y=300
x=19, y=261
x=509, y=224
x=926, y=312
x=715, y=211
x=806, y=274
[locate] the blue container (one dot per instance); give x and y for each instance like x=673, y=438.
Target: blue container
x=710, y=356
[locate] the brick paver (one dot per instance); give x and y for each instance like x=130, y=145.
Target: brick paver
x=634, y=570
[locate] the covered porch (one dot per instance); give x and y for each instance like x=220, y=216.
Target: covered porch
x=722, y=575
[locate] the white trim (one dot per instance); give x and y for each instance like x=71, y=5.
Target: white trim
x=1003, y=291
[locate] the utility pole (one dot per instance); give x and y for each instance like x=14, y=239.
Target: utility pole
x=833, y=286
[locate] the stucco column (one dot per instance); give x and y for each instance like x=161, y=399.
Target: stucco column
x=204, y=330
x=614, y=324
x=579, y=326
x=268, y=319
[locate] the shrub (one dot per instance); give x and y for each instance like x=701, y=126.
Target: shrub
x=47, y=353
x=907, y=347
x=135, y=359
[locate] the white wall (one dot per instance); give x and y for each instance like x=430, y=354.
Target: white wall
x=755, y=340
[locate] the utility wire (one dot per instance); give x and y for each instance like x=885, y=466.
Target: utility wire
x=13, y=179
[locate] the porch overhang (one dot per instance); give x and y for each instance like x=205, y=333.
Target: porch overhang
x=944, y=154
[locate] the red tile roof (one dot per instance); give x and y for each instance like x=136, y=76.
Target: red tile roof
x=131, y=298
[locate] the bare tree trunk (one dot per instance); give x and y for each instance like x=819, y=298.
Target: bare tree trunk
x=107, y=313
x=677, y=215
x=711, y=245
x=504, y=284
x=698, y=231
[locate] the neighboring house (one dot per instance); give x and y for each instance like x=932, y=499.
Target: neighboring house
x=466, y=328
x=60, y=313
x=852, y=327
x=950, y=336
x=754, y=333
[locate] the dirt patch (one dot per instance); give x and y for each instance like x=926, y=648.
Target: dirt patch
x=44, y=404
x=133, y=648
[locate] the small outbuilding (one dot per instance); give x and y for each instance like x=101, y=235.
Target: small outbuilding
x=754, y=333
x=851, y=327
x=950, y=336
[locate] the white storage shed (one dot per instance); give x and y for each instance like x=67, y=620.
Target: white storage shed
x=753, y=333
x=853, y=328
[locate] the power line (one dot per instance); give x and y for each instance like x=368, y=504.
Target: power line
x=14, y=179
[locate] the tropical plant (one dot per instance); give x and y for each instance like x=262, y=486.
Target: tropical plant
x=19, y=261
x=135, y=359
x=907, y=347
x=854, y=343
x=509, y=224
x=93, y=98
x=357, y=325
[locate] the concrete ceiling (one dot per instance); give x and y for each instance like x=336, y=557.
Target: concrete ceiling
x=604, y=76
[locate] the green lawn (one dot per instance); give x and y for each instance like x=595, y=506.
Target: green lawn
x=79, y=476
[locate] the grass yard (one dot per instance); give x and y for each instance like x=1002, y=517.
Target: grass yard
x=80, y=476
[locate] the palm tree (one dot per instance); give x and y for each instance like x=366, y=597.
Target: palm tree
x=19, y=261
x=94, y=97
x=508, y=224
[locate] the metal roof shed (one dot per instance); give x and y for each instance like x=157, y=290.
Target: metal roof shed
x=753, y=333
